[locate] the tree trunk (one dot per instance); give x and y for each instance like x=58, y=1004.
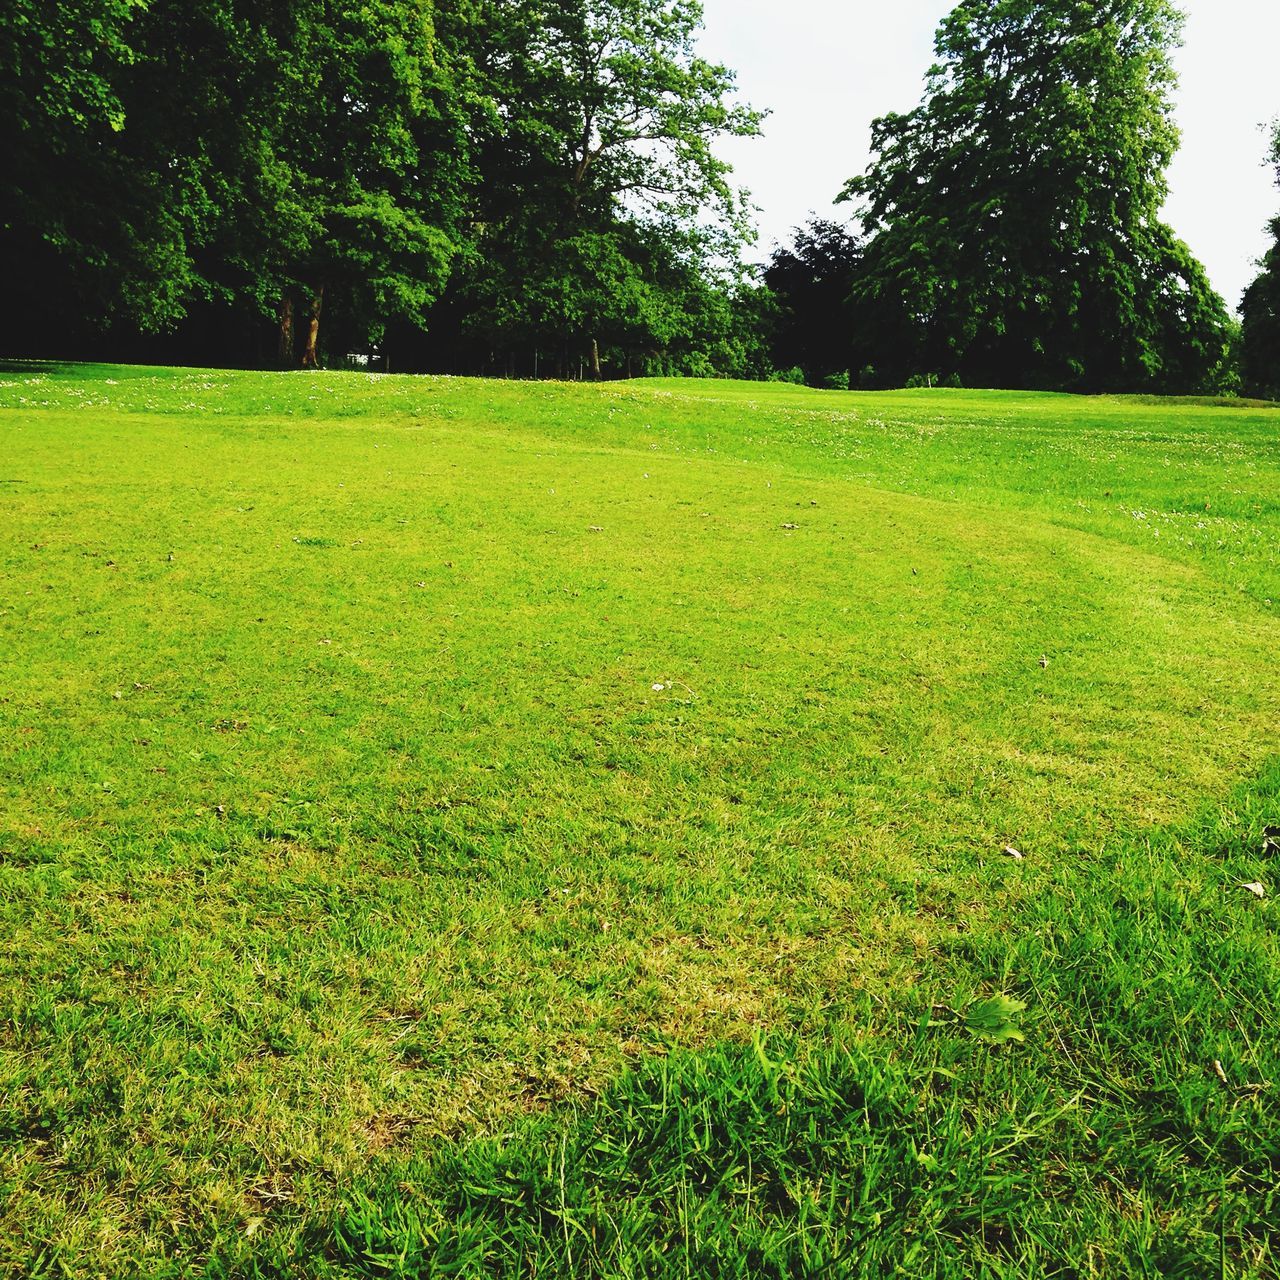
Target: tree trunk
x=284, y=352
x=309, y=358
x=595, y=359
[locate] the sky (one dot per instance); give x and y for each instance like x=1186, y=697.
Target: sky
x=826, y=68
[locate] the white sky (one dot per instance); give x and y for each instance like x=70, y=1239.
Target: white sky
x=826, y=68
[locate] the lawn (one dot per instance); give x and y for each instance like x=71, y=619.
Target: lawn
x=465, y=828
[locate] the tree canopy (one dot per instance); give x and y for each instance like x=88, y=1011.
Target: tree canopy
x=1260, y=311
x=601, y=193
x=96, y=224
x=1013, y=218
x=553, y=158
x=812, y=280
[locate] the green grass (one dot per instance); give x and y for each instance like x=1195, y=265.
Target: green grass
x=459, y=828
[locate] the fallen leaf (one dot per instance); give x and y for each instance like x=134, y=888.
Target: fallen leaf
x=992, y=1020
x=1258, y=890
x=1011, y=852
x=1219, y=1072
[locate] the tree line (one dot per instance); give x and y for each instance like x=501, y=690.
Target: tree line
x=497, y=185
x=531, y=188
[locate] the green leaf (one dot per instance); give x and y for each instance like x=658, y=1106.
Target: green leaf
x=993, y=1020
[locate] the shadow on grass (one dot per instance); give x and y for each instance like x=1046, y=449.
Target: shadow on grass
x=37, y=366
x=1135, y=1131
x=1210, y=402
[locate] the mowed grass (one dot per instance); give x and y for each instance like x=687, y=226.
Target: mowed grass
x=459, y=828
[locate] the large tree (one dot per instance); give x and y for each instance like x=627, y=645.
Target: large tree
x=358, y=189
x=1260, y=312
x=601, y=195
x=1014, y=216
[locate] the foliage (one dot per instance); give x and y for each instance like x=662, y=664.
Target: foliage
x=1260, y=313
x=533, y=188
x=812, y=281
x=1013, y=218
x=273, y=159
x=229, y=152
x=993, y=1020
x=604, y=216
x=375, y=211
x=91, y=225
x=630, y=110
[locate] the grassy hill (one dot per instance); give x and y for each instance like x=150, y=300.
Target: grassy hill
x=456, y=828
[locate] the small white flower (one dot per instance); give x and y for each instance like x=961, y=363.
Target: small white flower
x=658, y=688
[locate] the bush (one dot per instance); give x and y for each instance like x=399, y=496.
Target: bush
x=837, y=381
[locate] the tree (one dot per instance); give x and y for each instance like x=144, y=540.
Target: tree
x=247, y=163
x=93, y=229
x=599, y=185
x=1260, y=312
x=812, y=281
x=254, y=156
x=1013, y=225
x=355, y=188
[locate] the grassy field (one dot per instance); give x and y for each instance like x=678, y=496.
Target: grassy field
x=473, y=828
